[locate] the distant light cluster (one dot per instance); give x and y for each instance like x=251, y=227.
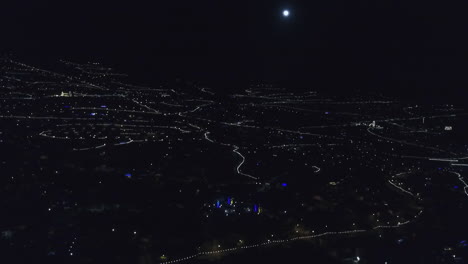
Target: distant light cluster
x=282, y=162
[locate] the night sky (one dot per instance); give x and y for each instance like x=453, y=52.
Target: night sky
x=163, y=132
x=416, y=48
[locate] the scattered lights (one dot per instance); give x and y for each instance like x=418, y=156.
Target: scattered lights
x=140, y=104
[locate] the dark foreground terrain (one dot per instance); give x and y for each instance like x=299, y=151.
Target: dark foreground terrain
x=97, y=170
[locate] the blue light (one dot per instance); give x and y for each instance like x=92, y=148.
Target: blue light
x=327, y=113
x=284, y=184
x=128, y=175
x=103, y=106
x=456, y=186
x=66, y=106
x=93, y=114
x=255, y=208
x=218, y=205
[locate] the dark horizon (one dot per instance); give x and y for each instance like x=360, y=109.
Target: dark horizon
x=412, y=49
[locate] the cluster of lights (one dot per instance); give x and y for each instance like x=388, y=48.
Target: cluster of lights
x=139, y=112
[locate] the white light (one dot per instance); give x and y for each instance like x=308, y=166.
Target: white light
x=286, y=13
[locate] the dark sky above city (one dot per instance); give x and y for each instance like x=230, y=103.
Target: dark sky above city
x=409, y=46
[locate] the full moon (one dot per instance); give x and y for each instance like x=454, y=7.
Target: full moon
x=285, y=13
